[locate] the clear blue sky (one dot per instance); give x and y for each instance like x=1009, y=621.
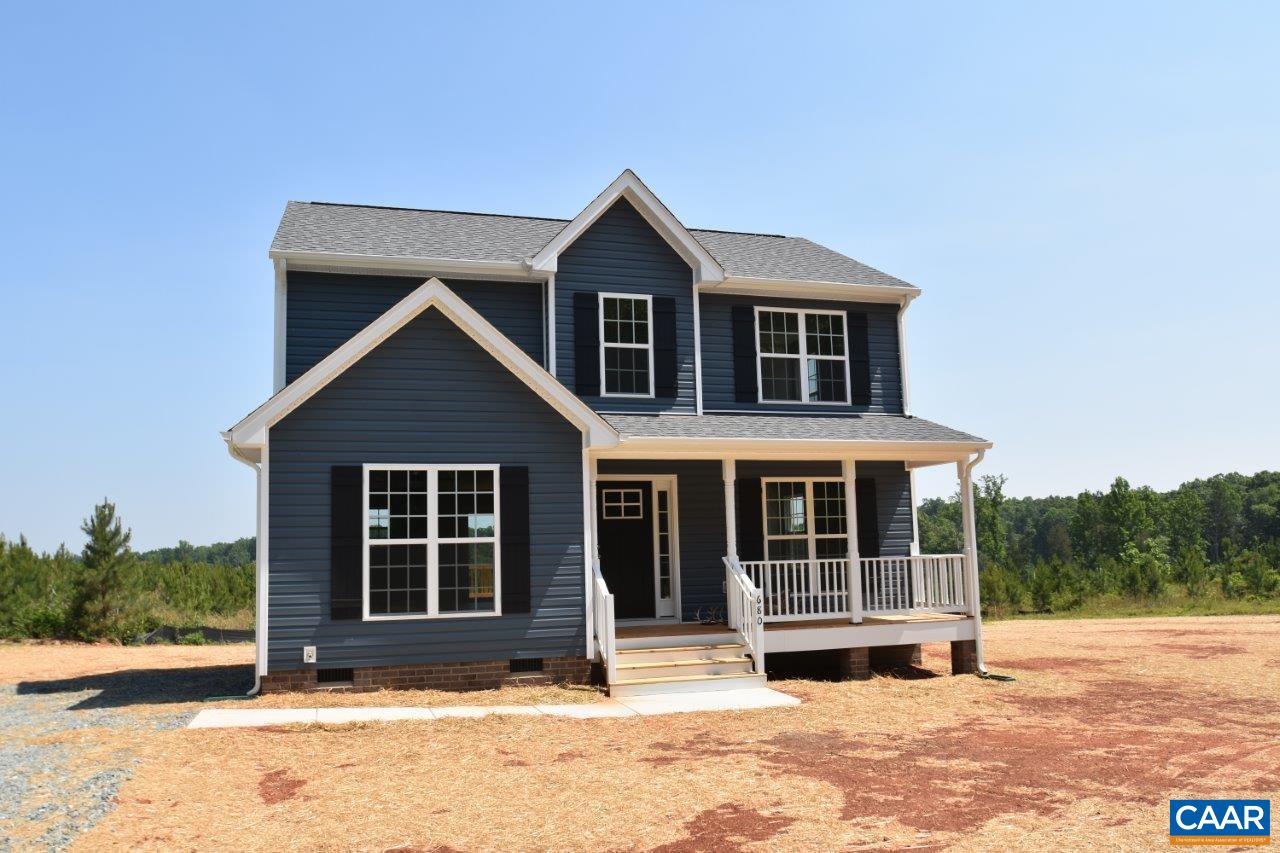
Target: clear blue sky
x=1087, y=193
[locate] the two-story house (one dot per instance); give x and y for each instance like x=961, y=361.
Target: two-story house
x=502, y=445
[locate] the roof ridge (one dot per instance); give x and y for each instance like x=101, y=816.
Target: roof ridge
x=431, y=210
x=515, y=216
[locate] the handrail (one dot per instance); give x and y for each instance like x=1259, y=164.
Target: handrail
x=798, y=590
x=746, y=610
x=604, y=628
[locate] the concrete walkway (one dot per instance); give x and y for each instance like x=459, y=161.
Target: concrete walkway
x=627, y=706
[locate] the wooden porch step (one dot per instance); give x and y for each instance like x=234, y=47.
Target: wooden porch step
x=674, y=653
x=677, y=639
x=686, y=667
x=686, y=684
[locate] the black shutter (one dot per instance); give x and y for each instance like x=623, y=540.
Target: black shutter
x=744, y=354
x=346, y=538
x=750, y=519
x=586, y=344
x=859, y=359
x=664, y=346
x=514, y=486
x=868, y=517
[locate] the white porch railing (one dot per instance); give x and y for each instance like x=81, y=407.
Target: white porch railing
x=603, y=624
x=745, y=610
x=794, y=590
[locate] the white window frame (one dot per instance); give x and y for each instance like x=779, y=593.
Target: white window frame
x=803, y=356
x=811, y=536
x=604, y=377
x=433, y=541
x=626, y=498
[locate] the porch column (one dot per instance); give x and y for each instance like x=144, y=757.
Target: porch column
x=729, y=469
x=969, y=522
x=594, y=473
x=853, y=575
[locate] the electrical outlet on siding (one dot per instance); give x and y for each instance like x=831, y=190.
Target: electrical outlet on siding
x=308, y=654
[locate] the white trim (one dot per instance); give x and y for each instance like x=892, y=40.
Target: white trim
x=263, y=567
x=252, y=430
x=629, y=186
x=281, y=324
x=810, y=535
x=549, y=324
x=803, y=356
x=647, y=299
x=853, y=580
x=670, y=483
x=803, y=289
x=432, y=542
x=424, y=266
x=915, y=513
x=904, y=372
x=697, y=351
x=588, y=544
x=864, y=634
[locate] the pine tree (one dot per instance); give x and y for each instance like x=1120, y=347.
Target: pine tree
x=105, y=606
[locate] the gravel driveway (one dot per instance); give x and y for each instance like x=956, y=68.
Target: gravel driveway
x=69, y=743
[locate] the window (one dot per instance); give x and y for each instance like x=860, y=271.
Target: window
x=432, y=541
x=622, y=503
x=805, y=520
x=802, y=356
x=626, y=346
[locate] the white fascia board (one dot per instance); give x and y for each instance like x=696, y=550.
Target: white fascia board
x=627, y=185
x=252, y=430
x=930, y=452
x=803, y=289
x=437, y=266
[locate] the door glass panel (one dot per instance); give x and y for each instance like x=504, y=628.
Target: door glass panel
x=664, y=545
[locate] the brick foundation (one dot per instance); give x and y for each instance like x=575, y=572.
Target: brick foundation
x=895, y=657
x=453, y=675
x=852, y=664
x=964, y=657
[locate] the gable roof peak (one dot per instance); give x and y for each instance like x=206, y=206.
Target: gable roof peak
x=629, y=186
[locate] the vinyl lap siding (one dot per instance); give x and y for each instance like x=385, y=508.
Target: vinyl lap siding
x=324, y=310
x=717, y=354
x=700, y=499
x=427, y=394
x=621, y=253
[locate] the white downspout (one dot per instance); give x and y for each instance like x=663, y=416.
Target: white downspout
x=971, y=552
x=259, y=634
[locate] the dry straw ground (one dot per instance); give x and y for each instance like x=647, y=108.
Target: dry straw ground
x=1107, y=721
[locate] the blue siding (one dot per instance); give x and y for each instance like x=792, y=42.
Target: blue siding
x=324, y=310
x=700, y=498
x=427, y=394
x=717, y=354
x=621, y=253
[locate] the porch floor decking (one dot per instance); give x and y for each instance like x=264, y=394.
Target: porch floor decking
x=677, y=629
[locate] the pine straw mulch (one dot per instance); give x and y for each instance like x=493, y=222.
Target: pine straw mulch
x=1107, y=721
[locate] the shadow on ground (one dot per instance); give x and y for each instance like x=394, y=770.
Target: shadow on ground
x=148, y=686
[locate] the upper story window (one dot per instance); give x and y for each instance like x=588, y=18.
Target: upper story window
x=626, y=345
x=802, y=356
x=432, y=541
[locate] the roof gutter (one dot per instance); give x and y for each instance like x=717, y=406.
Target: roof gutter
x=408, y=265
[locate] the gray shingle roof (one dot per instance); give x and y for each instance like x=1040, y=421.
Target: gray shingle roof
x=404, y=233
x=801, y=427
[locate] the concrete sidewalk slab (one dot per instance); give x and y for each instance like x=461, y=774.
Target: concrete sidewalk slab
x=747, y=699
x=630, y=706
x=224, y=718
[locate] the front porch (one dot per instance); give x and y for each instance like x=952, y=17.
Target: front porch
x=744, y=557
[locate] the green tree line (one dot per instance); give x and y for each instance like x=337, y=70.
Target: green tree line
x=1216, y=539
x=108, y=591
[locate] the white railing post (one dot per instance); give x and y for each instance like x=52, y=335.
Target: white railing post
x=853, y=571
